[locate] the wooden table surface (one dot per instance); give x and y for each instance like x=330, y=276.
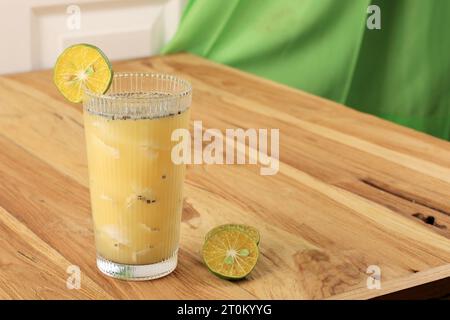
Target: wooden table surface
x=352, y=191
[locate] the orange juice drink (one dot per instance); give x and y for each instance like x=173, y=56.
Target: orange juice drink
x=136, y=188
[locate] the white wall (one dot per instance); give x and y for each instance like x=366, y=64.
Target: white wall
x=34, y=32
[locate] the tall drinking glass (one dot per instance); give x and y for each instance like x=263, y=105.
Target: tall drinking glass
x=136, y=189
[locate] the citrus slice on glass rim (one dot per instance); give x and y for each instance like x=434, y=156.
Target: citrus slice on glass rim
x=230, y=254
x=79, y=66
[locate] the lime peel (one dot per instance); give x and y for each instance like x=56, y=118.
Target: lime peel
x=249, y=230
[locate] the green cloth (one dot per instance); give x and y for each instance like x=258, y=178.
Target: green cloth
x=400, y=73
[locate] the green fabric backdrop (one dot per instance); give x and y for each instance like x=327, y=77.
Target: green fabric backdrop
x=401, y=72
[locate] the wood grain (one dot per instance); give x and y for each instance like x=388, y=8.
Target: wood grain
x=352, y=191
x=26, y=257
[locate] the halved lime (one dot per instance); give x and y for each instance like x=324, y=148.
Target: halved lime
x=250, y=231
x=230, y=254
x=82, y=65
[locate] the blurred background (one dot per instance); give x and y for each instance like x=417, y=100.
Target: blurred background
x=390, y=58
x=34, y=32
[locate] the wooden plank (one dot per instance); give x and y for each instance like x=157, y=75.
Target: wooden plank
x=56, y=208
x=31, y=269
x=357, y=170
x=400, y=288
x=304, y=106
x=346, y=196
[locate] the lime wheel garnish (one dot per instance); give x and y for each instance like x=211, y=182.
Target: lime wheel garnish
x=79, y=66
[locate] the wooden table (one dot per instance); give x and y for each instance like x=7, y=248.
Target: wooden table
x=352, y=191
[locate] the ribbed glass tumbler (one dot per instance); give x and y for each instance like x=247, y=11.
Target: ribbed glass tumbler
x=135, y=187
